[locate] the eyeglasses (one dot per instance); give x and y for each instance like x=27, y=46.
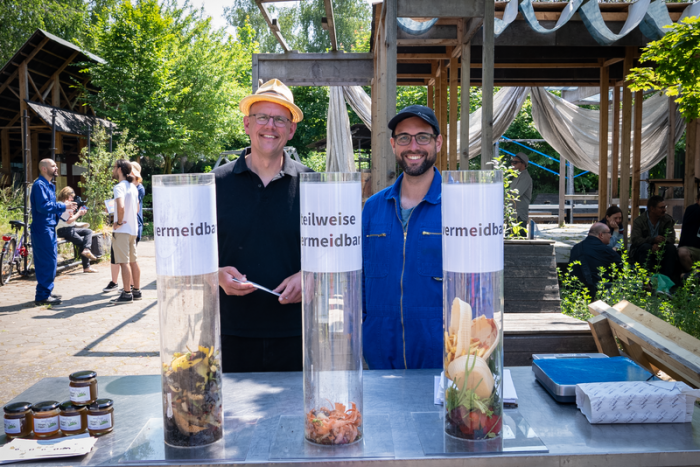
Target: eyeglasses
x=404, y=139
x=262, y=119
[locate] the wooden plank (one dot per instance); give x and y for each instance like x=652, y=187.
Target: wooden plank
x=603, y=336
x=453, y=155
x=488, y=59
x=626, y=143
x=603, y=142
x=562, y=191
x=328, y=4
x=671, y=147
x=637, y=153
x=528, y=250
x=5, y=151
x=443, y=114
x=274, y=28
x=34, y=136
x=389, y=91
x=691, y=143
x=518, y=349
x=423, y=9
x=379, y=133
x=464, y=110
x=543, y=323
x=438, y=106
x=615, y=193
x=520, y=305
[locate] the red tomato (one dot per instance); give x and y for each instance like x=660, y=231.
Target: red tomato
x=493, y=424
x=474, y=420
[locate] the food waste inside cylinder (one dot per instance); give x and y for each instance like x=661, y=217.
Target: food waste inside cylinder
x=334, y=427
x=194, y=412
x=473, y=409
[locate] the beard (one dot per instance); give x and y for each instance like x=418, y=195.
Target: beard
x=430, y=157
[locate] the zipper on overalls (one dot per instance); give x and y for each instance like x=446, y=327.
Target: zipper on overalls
x=403, y=268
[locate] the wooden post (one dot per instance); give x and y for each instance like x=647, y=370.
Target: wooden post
x=389, y=95
x=443, y=114
x=5, y=151
x=379, y=132
x=692, y=149
x=431, y=102
x=562, y=189
x=603, y=336
x=603, y=146
x=626, y=142
x=487, y=59
x=464, y=114
x=637, y=153
x=35, y=154
x=671, y=148
x=438, y=107
x=454, y=112
x=23, y=95
x=616, y=142
x=56, y=93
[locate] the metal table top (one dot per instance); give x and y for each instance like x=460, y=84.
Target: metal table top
x=571, y=440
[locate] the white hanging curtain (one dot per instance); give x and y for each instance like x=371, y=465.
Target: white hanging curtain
x=339, y=151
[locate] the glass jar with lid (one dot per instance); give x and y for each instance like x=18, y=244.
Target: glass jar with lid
x=83, y=387
x=100, y=417
x=18, y=420
x=73, y=418
x=46, y=423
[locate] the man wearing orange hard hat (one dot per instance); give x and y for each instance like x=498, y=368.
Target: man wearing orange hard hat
x=257, y=204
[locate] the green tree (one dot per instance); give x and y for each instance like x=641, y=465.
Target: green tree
x=676, y=59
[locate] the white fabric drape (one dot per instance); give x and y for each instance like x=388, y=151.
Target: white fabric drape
x=570, y=130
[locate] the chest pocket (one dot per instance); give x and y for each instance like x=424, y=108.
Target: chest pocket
x=430, y=250
x=376, y=250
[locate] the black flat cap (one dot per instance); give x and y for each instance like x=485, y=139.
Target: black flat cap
x=420, y=111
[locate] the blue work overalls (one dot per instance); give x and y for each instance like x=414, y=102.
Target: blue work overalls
x=45, y=212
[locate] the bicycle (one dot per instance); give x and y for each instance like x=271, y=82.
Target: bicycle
x=14, y=254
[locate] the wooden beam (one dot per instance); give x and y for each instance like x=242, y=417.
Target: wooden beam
x=376, y=163
x=637, y=153
x=603, y=139
x=431, y=102
x=56, y=74
x=390, y=28
x=7, y=82
x=692, y=143
x=5, y=151
x=327, y=69
x=616, y=142
x=562, y=190
x=36, y=90
x=328, y=4
x=626, y=145
x=274, y=27
x=444, y=86
x=56, y=93
x=514, y=66
x=613, y=61
x=488, y=58
x=417, y=56
x=441, y=9
x=603, y=336
x=466, y=104
x=439, y=90
x=454, y=80
x=34, y=136
x=671, y=147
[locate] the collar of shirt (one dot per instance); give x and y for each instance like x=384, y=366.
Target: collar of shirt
x=43, y=180
x=288, y=167
x=433, y=196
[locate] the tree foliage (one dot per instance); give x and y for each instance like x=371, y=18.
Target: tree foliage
x=169, y=78
x=676, y=59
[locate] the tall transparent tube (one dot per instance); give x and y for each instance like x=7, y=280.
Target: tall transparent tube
x=331, y=264
x=184, y=220
x=472, y=252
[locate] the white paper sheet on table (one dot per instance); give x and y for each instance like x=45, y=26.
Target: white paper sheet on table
x=510, y=397
x=636, y=402
x=27, y=449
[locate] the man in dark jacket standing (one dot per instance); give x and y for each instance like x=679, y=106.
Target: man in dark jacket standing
x=402, y=252
x=593, y=253
x=689, y=244
x=45, y=212
x=652, y=232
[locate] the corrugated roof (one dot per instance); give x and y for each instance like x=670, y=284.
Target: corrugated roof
x=67, y=121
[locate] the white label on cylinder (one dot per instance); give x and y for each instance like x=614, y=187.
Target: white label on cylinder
x=184, y=228
x=70, y=423
x=331, y=227
x=472, y=227
x=99, y=422
x=13, y=426
x=80, y=394
x=45, y=425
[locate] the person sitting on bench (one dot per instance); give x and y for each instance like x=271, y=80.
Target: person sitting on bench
x=593, y=252
x=653, y=238
x=74, y=232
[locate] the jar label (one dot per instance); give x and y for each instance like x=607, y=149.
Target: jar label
x=80, y=394
x=45, y=425
x=13, y=426
x=99, y=422
x=70, y=423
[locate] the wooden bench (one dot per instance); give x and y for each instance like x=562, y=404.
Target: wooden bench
x=530, y=277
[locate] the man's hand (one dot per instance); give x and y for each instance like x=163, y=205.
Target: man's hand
x=231, y=287
x=290, y=289
x=660, y=239
x=655, y=247
x=71, y=205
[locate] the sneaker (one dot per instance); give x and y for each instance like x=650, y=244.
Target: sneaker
x=124, y=297
x=58, y=297
x=48, y=301
x=136, y=294
x=88, y=254
x=111, y=287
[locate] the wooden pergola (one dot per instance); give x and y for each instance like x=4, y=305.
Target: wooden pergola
x=460, y=50
x=40, y=79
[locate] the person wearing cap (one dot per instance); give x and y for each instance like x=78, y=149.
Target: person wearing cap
x=258, y=211
x=524, y=186
x=402, y=252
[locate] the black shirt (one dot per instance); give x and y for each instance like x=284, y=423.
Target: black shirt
x=259, y=234
x=691, y=227
x=592, y=253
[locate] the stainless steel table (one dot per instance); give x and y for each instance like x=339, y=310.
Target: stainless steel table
x=571, y=440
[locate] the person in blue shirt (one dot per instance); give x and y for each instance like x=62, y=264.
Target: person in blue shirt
x=45, y=213
x=402, y=252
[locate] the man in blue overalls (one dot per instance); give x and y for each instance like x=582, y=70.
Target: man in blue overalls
x=45, y=212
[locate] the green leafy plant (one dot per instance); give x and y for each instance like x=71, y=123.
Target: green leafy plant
x=511, y=226
x=9, y=198
x=97, y=180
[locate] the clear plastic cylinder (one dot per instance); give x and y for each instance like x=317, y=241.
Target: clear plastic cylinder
x=472, y=251
x=184, y=215
x=331, y=263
